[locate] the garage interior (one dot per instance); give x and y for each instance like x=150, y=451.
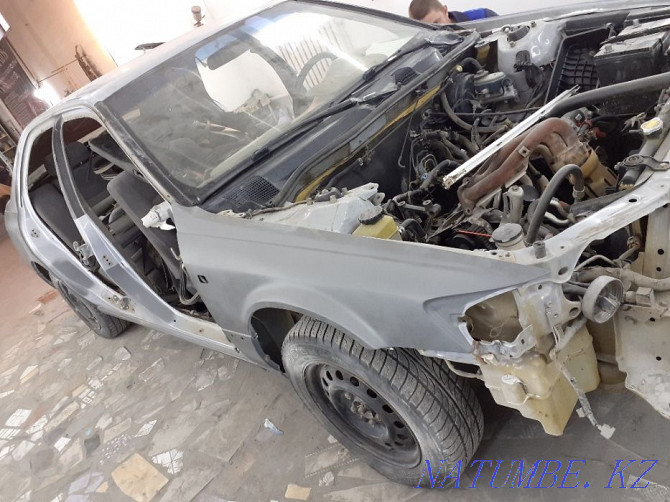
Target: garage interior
x=81, y=414
x=147, y=417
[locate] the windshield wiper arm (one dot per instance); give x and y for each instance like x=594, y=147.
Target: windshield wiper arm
x=303, y=126
x=374, y=70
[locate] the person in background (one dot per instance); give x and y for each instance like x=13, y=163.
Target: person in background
x=432, y=11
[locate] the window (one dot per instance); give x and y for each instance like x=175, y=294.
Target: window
x=211, y=107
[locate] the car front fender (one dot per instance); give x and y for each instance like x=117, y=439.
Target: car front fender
x=384, y=293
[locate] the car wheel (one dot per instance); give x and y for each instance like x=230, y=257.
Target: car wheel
x=395, y=409
x=101, y=324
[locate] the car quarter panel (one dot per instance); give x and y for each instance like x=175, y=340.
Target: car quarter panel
x=384, y=293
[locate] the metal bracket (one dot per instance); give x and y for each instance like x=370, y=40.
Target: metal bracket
x=643, y=161
x=122, y=302
x=84, y=252
x=523, y=151
x=509, y=350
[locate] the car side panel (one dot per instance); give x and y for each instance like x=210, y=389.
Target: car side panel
x=37, y=243
x=384, y=293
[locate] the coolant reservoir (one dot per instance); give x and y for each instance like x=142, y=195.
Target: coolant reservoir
x=374, y=223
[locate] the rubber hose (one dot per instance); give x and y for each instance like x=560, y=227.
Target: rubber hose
x=459, y=121
x=472, y=64
x=549, y=193
x=621, y=90
x=469, y=146
x=448, y=164
x=455, y=150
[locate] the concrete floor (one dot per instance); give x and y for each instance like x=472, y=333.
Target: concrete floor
x=82, y=418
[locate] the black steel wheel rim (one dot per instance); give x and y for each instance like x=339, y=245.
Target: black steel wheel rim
x=84, y=312
x=362, y=415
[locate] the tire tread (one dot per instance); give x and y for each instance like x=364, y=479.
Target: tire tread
x=445, y=400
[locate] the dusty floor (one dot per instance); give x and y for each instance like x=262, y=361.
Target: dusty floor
x=82, y=418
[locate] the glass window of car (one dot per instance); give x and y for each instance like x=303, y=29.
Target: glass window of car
x=204, y=111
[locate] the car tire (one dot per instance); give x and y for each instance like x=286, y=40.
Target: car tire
x=101, y=324
x=394, y=409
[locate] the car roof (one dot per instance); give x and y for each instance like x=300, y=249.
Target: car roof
x=106, y=85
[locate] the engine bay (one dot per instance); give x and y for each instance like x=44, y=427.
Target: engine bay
x=503, y=201
x=537, y=130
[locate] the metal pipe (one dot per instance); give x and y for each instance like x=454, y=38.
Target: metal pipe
x=503, y=129
x=464, y=374
x=597, y=257
x=556, y=204
x=556, y=137
x=488, y=152
x=555, y=220
x=635, y=278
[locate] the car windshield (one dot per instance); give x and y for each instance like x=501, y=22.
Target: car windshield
x=208, y=109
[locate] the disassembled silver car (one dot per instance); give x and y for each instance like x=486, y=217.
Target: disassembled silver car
x=379, y=208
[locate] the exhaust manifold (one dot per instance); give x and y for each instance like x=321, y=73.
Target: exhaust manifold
x=554, y=140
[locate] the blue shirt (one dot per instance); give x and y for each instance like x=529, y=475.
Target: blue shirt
x=470, y=15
